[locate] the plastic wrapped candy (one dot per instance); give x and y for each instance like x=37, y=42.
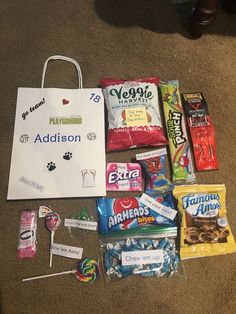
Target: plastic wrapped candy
x=176, y=130
x=133, y=113
x=117, y=214
x=123, y=177
x=141, y=256
x=52, y=223
x=201, y=130
x=27, y=234
x=153, y=163
x=80, y=224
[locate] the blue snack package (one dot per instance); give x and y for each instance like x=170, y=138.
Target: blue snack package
x=140, y=256
x=117, y=214
x=153, y=163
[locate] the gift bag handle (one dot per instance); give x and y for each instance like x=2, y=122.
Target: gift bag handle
x=58, y=57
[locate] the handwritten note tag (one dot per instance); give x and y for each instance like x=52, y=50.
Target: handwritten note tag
x=136, y=116
x=67, y=251
x=81, y=224
x=165, y=211
x=151, y=154
x=142, y=257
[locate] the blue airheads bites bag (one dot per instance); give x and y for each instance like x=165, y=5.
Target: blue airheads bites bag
x=116, y=214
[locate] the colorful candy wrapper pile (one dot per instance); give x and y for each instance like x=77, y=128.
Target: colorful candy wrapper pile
x=133, y=113
x=138, y=234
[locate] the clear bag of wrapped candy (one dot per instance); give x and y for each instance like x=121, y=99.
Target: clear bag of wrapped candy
x=80, y=223
x=144, y=255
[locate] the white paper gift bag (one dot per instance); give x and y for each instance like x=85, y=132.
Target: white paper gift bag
x=59, y=142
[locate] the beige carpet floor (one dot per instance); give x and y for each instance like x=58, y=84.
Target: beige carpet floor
x=120, y=39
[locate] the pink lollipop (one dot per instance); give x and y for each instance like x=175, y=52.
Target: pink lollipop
x=52, y=222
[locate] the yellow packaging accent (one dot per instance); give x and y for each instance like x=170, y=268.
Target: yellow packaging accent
x=204, y=226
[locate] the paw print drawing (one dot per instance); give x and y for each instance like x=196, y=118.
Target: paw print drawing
x=51, y=166
x=67, y=156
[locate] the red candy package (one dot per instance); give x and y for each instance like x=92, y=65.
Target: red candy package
x=133, y=113
x=201, y=130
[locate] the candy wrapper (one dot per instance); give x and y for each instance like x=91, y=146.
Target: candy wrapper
x=205, y=230
x=201, y=130
x=133, y=113
x=176, y=129
x=117, y=214
x=140, y=256
x=153, y=163
x=27, y=234
x=123, y=177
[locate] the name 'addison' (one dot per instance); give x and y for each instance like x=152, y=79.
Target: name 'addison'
x=56, y=138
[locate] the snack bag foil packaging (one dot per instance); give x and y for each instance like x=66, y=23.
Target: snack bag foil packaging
x=133, y=113
x=179, y=146
x=204, y=226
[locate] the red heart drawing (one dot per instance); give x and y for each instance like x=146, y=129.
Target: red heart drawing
x=126, y=203
x=65, y=101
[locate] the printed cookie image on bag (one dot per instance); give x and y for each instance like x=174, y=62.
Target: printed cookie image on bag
x=133, y=113
x=205, y=220
x=204, y=228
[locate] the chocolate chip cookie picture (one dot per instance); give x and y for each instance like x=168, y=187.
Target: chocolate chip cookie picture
x=191, y=235
x=205, y=234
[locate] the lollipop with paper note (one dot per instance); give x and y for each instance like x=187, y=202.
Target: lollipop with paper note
x=86, y=271
x=52, y=222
